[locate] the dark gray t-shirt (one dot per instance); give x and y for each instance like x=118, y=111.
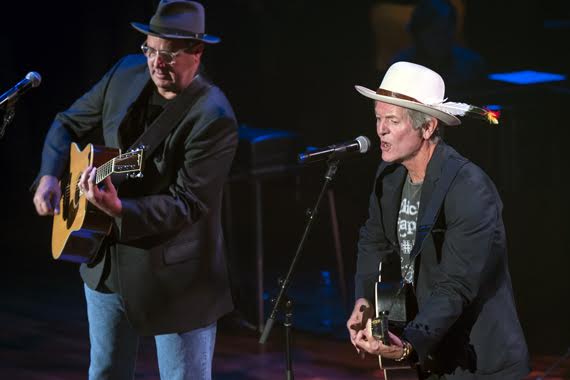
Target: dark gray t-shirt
x=407, y=218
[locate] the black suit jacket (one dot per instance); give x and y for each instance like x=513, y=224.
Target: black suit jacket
x=167, y=252
x=467, y=326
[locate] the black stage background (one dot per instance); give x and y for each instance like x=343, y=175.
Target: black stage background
x=292, y=65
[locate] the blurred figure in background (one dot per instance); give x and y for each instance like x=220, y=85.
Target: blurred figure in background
x=433, y=26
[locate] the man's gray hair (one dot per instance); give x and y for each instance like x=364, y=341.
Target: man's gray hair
x=420, y=120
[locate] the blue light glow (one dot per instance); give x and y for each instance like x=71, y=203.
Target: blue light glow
x=527, y=77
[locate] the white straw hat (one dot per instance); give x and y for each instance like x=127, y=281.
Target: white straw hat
x=415, y=87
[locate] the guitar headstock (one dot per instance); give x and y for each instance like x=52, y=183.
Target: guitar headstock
x=130, y=162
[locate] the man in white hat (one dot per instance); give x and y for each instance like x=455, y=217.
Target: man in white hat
x=162, y=272
x=434, y=229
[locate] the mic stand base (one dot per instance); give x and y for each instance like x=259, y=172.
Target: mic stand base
x=288, y=339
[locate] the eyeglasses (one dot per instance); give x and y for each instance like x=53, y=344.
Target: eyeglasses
x=167, y=56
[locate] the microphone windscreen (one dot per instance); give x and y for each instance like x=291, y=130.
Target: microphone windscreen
x=364, y=143
x=34, y=78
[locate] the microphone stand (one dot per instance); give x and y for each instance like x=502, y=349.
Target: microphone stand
x=283, y=301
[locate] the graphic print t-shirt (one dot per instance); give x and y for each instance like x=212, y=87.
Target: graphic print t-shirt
x=407, y=219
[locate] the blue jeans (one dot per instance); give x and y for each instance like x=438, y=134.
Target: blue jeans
x=114, y=344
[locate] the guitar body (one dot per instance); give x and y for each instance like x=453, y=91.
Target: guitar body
x=80, y=227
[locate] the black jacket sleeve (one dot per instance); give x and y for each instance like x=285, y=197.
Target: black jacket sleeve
x=84, y=115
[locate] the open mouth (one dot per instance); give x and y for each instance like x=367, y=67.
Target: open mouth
x=385, y=146
x=161, y=74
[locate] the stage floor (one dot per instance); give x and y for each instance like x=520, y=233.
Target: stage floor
x=44, y=337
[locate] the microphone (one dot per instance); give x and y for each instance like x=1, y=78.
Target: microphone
x=32, y=79
x=359, y=145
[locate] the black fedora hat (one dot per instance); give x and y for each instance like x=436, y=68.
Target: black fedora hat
x=178, y=19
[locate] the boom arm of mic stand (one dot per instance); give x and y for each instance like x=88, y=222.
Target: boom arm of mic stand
x=331, y=171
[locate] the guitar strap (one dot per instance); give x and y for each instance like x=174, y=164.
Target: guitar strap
x=153, y=136
x=425, y=225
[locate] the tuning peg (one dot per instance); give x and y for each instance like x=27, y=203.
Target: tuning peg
x=135, y=150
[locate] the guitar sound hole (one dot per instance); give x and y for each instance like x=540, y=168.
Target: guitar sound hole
x=77, y=193
x=66, y=196
x=70, y=207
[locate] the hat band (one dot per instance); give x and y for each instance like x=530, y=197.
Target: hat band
x=176, y=32
x=393, y=94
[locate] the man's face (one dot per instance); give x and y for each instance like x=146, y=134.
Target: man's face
x=171, y=78
x=399, y=141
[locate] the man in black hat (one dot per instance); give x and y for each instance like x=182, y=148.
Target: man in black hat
x=162, y=271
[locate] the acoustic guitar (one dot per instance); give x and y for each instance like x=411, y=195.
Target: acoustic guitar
x=80, y=227
x=393, y=310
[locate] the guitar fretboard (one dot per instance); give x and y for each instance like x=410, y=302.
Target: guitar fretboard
x=104, y=171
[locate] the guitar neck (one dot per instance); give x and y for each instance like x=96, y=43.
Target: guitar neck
x=127, y=163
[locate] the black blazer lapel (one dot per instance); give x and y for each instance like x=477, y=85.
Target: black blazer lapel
x=389, y=193
x=433, y=173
